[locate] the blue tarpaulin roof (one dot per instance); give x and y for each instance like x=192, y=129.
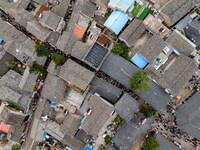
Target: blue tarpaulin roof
x=45, y=134
x=120, y=4
x=87, y=147
x=116, y=21
x=1, y=40
x=139, y=61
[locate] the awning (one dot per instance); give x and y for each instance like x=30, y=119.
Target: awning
x=1, y=40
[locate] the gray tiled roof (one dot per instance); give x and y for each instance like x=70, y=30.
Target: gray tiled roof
x=88, y=8
x=126, y=107
x=133, y=32
x=54, y=87
x=75, y=74
x=106, y=90
x=156, y=97
x=35, y=28
x=176, y=9
x=61, y=8
x=181, y=43
x=71, y=124
x=80, y=49
x=74, y=143
x=101, y=111
x=165, y=144
x=28, y=80
x=119, y=69
x=188, y=116
x=128, y=133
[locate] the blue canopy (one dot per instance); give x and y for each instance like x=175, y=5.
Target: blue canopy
x=45, y=134
x=88, y=147
x=53, y=104
x=1, y=40
x=177, y=52
x=139, y=61
x=116, y=21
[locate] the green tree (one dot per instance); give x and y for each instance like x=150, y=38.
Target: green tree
x=147, y=113
x=118, y=121
x=140, y=82
x=150, y=143
x=16, y=147
x=107, y=139
x=58, y=59
x=41, y=50
x=36, y=68
x=121, y=49
x=11, y=64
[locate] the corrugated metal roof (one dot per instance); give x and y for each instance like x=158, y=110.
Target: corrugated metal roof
x=116, y=21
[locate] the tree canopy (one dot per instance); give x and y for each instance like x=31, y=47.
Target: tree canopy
x=58, y=59
x=15, y=147
x=150, y=143
x=107, y=139
x=140, y=82
x=36, y=68
x=41, y=50
x=121, y=49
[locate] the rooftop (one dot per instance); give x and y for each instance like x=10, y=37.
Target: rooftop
x=126, y=107
x=106, y=90
x=88, y=8
x=96, y=55
x=75, y=74
x=164, y=143
x=133, y=32
x=188, y=116
x=101, y=111
x=80, y=49
x=175, y=10
x=116, y=21
x=71, y=124
x=122, y=5
x=54, y=87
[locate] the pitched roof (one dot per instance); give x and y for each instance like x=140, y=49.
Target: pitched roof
x=93, y=122
x=28, y=80
x=35, y=28
x=61, y=8
x=50, y=20
x=79, y=50
x=53, y=69
x=106, y=90
x=54, y=87
x=119, y=69
x=75, y=74
x=74, y=143
x=188, y=116
x=164, y=143
x=14, y=119
x=88, y=8
x=156, y=97
x=181, y=43
x=71, y=124
x=192, y=32
x=128, y=133
x=126, y=107
x=176, y=9
x=133, y=32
